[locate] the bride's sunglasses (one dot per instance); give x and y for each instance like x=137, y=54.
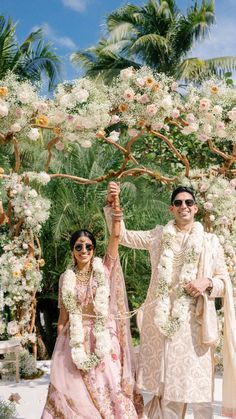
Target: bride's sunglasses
x=188, y=202
x=79, y=247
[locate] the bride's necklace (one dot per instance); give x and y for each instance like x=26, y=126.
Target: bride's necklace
x=83, y=275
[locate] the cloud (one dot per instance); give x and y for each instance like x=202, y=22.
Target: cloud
x=50, y=33
x=220, y=43
x=77, y=5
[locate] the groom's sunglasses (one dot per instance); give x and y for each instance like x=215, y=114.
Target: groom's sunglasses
x=188, y=202
x=79, y=247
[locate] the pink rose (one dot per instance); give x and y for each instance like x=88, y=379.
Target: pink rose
x=114, y=119
x=204, y=104
x=151, y=110
x=133, y=132
x=59, y=146
x=143, y=99
x=128, y=95
x=203, y=137
x=208, y=206
x=190, y=118
x=175, y=113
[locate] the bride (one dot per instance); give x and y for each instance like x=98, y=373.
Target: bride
x=92, y=370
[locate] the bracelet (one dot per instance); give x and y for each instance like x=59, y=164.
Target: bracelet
x=117, y=215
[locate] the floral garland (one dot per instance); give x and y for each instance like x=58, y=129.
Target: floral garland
x=167, y=318
x=81, y=359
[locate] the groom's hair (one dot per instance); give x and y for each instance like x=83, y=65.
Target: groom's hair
x=180, y=189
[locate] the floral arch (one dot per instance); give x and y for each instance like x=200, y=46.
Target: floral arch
x=140, y=106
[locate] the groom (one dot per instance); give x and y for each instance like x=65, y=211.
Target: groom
x=179, y=327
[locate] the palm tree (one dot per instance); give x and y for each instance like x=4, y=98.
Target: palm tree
x=158, y=35
x=28, y=61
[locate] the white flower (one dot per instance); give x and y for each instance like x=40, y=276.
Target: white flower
x=207, y=128
x=81, y=95
x=3, y=109
x=71, y=137
x=126, y=74
x=140, y=81
x=189, y=129
x=33, y=134
x=114, y=135
x=232, y=114
x=57, y=117
x=85, y=143
x=233, y=183
x=174, y=86
x=217, y=110
x=166, y=103
x=12, y=328
x=15, y=127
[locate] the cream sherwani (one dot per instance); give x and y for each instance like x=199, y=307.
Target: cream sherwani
x=179, y=369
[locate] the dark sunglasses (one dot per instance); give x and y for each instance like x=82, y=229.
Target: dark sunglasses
x=188, y=202
x=79, y=247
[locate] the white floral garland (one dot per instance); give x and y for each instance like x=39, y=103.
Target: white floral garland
x=81, y=359
x=169, y=319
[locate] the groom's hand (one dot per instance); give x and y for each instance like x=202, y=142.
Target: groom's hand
x=113, y=193
x=196, y=288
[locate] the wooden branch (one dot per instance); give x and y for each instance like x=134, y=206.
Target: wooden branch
x=49, y=148
x=39, y=246
x=18, y=226
x=138, y=171
x=3, y=216
x=217, y=151
x=119, y=147
x=17, y=154
x=9, y=208
x=175, y=151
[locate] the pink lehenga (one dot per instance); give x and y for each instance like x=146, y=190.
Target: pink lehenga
x=106, y=391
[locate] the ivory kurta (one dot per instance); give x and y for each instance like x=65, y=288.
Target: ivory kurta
x=179, y=369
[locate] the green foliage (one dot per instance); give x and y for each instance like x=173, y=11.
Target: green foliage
x=28, y=60
x=7, y=410
x=156, y=34
x=28, y=366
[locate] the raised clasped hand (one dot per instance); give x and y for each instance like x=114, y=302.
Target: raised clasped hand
x=113, y=193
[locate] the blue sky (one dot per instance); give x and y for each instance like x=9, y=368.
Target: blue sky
x=78, y=24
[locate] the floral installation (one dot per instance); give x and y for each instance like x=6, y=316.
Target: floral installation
x=20, y=261
x=27, y=204
x=80, y=109
x=83, y=112
x=169, y=319
x=211, y=111
x=144, y=98
x=81, y=359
